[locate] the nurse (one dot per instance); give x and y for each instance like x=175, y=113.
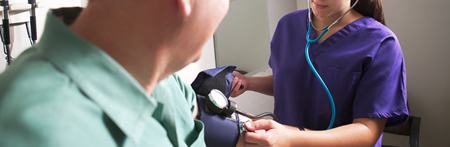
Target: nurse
x=359, y=59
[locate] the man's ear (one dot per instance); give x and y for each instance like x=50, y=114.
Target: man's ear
x=185, y=7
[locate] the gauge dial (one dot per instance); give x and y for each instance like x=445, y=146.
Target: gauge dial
x=218, y=99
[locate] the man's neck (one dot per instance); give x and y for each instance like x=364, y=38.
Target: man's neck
x=143, y=57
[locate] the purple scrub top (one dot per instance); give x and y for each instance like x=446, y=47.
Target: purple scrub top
x=362, y=65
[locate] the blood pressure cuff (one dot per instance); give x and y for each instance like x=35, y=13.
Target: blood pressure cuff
x=219, y=131
x=218, y=78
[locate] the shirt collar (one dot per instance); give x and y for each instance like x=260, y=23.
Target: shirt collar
x=99, y=76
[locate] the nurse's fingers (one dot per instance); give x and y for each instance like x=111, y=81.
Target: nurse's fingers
x=256, y=138
x=263, y=124
x=236, y=91
x=238, y=86
x=235, y=81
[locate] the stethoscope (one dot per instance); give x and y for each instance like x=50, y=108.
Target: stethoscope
x=309, y=41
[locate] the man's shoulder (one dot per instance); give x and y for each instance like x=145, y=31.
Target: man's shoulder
x=33, y=89
x=55, y=112
x=32, y=76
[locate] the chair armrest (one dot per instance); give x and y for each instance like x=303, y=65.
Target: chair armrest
x=415, y=128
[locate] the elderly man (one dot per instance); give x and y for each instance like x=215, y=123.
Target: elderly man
x=107, y=80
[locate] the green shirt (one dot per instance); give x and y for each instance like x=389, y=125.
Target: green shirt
x=64, y=91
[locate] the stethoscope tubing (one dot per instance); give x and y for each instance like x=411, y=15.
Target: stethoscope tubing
x=257, y=116
x=330, y=97
x=308, y=59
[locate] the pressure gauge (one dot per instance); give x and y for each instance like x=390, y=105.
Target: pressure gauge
x=218, y=103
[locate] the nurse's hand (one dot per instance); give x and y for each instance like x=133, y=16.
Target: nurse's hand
x=239, y=84
x=267, y=133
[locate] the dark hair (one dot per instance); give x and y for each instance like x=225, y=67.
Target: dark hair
x=371, y=8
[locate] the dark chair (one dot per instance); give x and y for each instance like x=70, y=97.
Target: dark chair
x=410, y=128
x=69, y=14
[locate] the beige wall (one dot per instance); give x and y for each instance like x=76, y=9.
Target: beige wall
x=243, y=37
x=421, y=27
